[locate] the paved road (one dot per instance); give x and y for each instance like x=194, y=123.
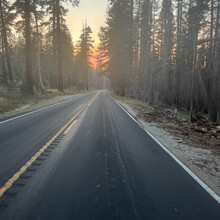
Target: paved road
x=22, y=137
x=105, y=167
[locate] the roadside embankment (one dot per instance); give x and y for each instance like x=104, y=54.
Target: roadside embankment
x=13, y=103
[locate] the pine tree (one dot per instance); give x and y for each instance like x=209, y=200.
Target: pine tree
x=5, y=20
x=38, y=15
x=58, y=11
x=167, y=34
x=195, y=16
x=84, y=53
x=24, y=8
x=145, y=47
x=120, y=44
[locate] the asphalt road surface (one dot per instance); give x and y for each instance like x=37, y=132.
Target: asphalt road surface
x=95, y=162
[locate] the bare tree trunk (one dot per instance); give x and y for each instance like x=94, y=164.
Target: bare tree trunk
x=131, y=42
x=137, y=41
x=53, y=79
x=213, y=75
x=178, y=67
x=194, y=22
x=4, y=76
x=211, y=34
x=54, y=30
x=217, y=63
x=87, y=83
x=144, y=48
x=192, y=84
x=59, y=49
x=38, y=52
x=4, y=36
x=28, y=48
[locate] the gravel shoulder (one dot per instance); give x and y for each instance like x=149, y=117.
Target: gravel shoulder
x=204, y=162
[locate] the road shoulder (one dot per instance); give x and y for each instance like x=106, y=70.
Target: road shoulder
x=33, y=106
x=203, y=163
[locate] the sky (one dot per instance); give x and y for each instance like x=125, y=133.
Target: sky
x=94, y=11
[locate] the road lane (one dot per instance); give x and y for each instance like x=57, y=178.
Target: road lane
x=23, y=137
x=112, y=169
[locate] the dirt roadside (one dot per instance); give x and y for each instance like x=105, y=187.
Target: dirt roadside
x=31, y=105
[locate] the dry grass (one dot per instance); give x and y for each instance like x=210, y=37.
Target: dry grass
x=13, y=101
x=144, y=108
x=171, y=126
x=184, y=115
x=132, y=102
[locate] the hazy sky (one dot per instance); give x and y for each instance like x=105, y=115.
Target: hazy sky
x=92, y=10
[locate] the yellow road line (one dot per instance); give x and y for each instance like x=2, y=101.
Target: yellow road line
x=68, y=129
x=71, y=125
x=16, y=176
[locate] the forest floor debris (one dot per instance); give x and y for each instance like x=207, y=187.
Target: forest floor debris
x=196, y=144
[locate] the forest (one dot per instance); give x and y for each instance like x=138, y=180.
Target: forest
x=151, y=50
x=37, y=51
x=166, y=50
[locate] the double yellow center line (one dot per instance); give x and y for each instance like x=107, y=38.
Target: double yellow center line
x=66, y=128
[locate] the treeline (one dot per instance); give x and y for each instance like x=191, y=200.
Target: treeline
x=36, y=48
x=166, y=50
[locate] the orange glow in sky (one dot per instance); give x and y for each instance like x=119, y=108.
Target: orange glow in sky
x=92, y=11
x=93, y=62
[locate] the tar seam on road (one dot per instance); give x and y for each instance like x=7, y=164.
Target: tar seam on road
x=193, y=175
x=66, y=127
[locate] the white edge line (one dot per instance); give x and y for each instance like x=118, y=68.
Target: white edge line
x=38, y=110
x=193, y=175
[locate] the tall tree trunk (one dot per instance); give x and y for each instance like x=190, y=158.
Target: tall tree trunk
x=217, y=62
x=54, y=29
x=38, y=51
x=178, y=46
x=54, y=79
x=167, y=36
x=86, y=64
x=211, y=34
x=59, y=49
x=4, y=76
x=87, y=80
x=192, y=91
x=194, y=27
x=213, y=77
x=144, y=47
x=131, y=45
x=85, y=47
x=5, y=40
x=28, y=48
x=137, y=41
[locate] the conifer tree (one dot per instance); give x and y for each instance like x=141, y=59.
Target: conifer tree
x=5, y=21
x=85, y=53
